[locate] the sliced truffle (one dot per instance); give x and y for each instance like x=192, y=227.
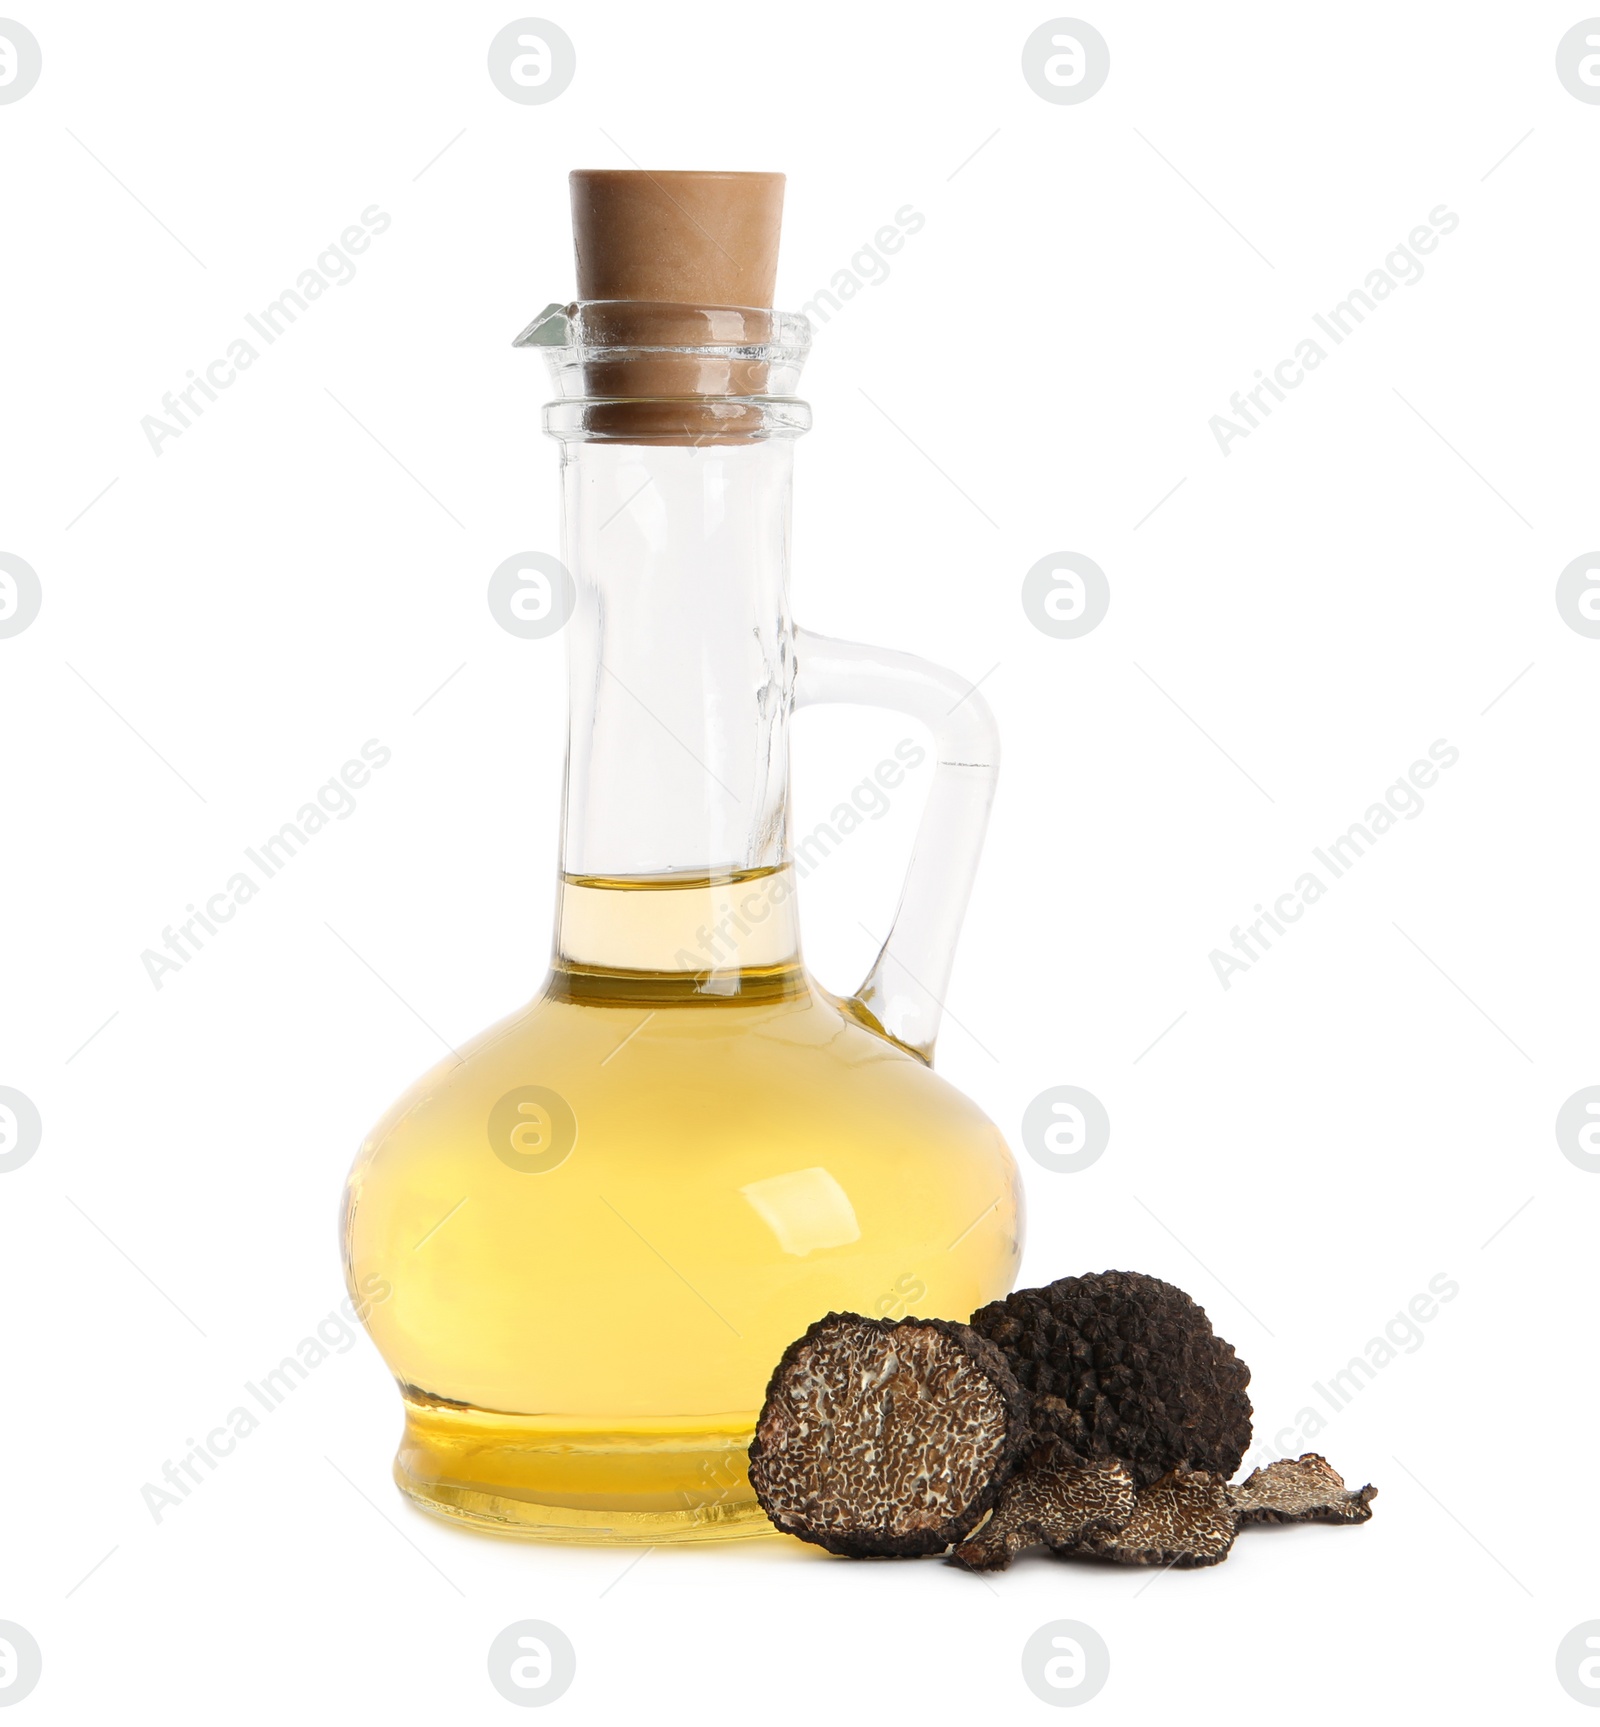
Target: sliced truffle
x=1123, y=1365
x=884, y=1438
x=1185, y=1519
x=1042, y=1505
x=1307, y=1489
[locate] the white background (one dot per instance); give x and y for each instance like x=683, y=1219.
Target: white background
x=1362, y=1110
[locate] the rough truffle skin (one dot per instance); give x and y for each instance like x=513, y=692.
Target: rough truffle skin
x=1123, y=1365
x=886, y=1439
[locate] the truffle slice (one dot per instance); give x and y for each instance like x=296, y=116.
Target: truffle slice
x=1185, y=1519
x=1056, y=1508
x=884, y=1438
x=1307, y=1489
x=1119, y=1364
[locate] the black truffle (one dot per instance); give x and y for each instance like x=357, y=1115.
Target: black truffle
x=1307, y=1489
x=1185, y=1519
x=883, y=1438
x=1124, y=1365
x=1042, y=1505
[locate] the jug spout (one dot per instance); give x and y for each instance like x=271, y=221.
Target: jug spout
x=551, y=329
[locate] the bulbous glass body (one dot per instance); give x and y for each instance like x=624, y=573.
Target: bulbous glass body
x=583, y=1310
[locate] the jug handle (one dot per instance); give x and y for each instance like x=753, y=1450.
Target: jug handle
x=903, y=994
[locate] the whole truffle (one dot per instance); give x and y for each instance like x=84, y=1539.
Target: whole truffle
x=1123, y=1365
x=886, y=1439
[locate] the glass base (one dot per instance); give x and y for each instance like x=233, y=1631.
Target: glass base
x=628, y=1482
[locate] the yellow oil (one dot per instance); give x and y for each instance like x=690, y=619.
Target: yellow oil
x=584, y=1242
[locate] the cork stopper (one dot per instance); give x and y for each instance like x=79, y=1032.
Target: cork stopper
x=699, y=239
x=661, y=248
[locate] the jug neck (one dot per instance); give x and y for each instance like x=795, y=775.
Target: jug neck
x=681, y=668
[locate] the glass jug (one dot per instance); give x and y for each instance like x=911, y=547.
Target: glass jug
x=582, y=1246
